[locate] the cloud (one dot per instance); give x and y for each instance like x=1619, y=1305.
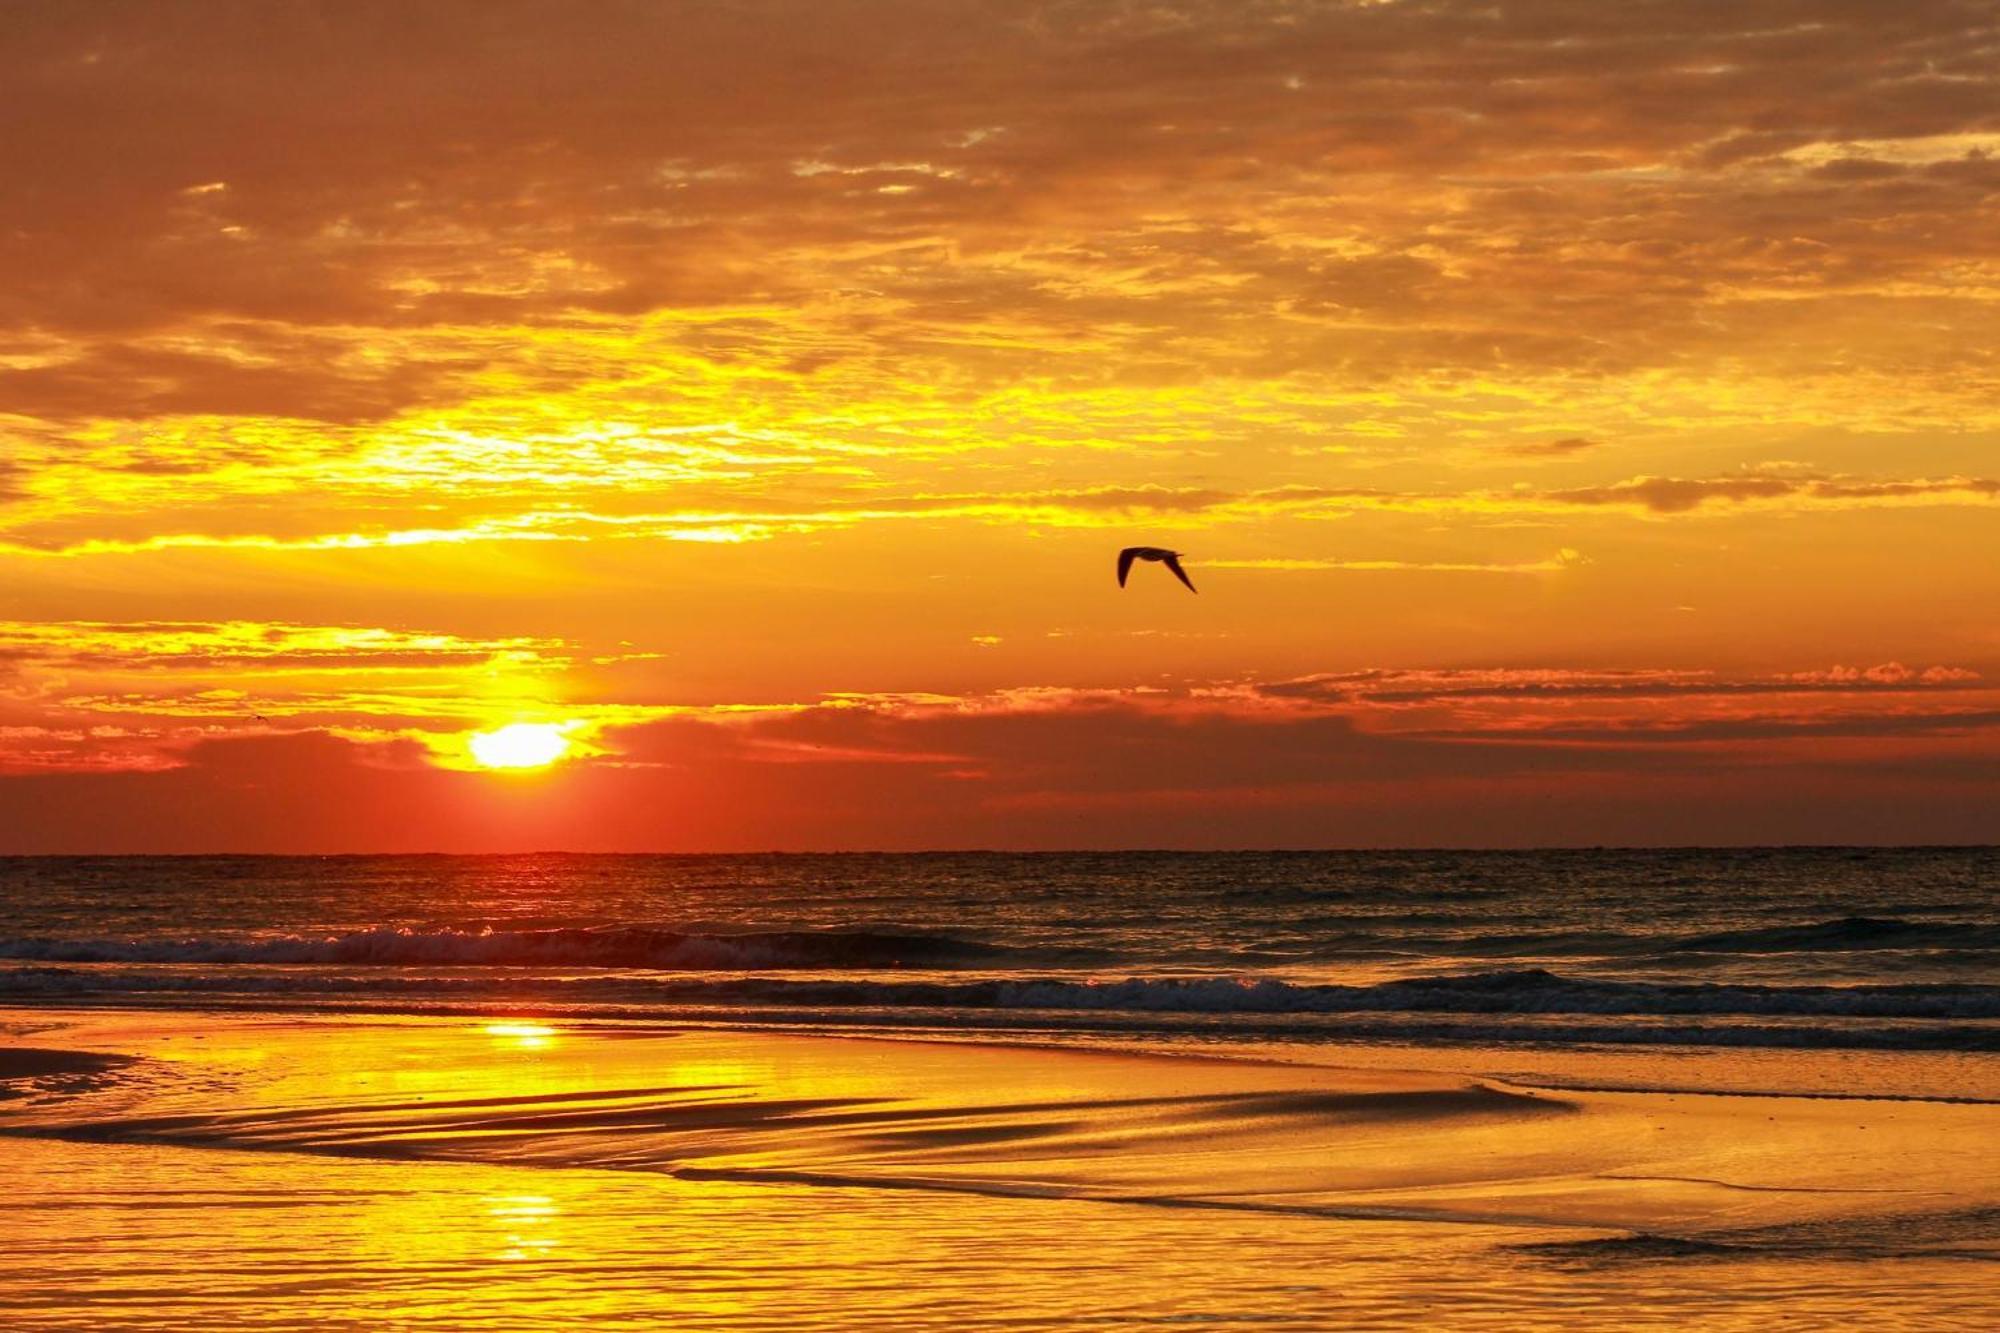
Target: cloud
x=1567, y=558
x=882, y=205
x=1427, y=686
x=166, y=645
x=777, y=336
x=320, y=384
x=1081, y=507
x=1116, y=776
x=1678, y=495
x=1739, y=730
x=1563, y=448
x=135, y=694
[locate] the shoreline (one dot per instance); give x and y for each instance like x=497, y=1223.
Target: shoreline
x=199, y=1170
x=1194, y=1128
x=1541, y=1060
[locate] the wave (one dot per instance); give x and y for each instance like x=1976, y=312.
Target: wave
x=732, y=1004
x=1530, y=991
x=1845, y=935
x=1848, y=934
x=712, y=946
x=1525, y=993
x=1951, y=1233
x=607, y=947
x=1854, y=934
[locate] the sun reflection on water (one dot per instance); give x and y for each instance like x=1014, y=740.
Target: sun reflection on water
x=527, y=1220
x=531, y=1036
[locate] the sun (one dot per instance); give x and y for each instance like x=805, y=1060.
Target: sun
x=519, y=745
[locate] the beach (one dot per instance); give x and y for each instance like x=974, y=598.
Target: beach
x=878, y=666
x=1622, y=1089
x=199, y=1169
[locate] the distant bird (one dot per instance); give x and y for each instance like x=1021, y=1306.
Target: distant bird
x=1171, y=559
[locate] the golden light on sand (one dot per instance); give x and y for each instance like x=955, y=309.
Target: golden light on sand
x=530, y=1035
x=519, y=745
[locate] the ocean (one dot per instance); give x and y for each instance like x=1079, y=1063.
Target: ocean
x=1716, y=1089
x=1895, y=949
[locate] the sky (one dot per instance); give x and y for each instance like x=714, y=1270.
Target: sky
x=1580, y=421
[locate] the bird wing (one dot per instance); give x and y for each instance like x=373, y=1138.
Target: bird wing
x=1174, y=563
x=1125, y=558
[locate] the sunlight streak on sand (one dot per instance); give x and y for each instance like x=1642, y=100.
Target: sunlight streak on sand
x=427, y=1180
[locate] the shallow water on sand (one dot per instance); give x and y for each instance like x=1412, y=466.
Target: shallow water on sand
x=214, y=1171
x=138, y=1237
x=1582, y=1089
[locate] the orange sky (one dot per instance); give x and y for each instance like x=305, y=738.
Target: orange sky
x=1580, y=419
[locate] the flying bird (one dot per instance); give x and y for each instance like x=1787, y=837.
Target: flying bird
x=1171, y=559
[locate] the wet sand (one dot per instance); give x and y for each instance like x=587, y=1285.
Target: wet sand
x=209, y=1164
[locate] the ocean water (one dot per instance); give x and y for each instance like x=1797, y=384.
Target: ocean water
x=1589, y=1089
x=125, y=1237
x=1858, y=949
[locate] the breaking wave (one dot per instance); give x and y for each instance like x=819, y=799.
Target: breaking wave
x=608, y=947
x=858, y=948
x=1851, y=933
x=1521, y=993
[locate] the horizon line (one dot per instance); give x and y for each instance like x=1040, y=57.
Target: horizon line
x=1353, y=850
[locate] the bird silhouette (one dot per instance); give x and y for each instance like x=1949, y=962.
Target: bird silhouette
x=1171, y=559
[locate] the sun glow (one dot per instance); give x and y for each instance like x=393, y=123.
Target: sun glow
x=519, y=745
x=528, y=1036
